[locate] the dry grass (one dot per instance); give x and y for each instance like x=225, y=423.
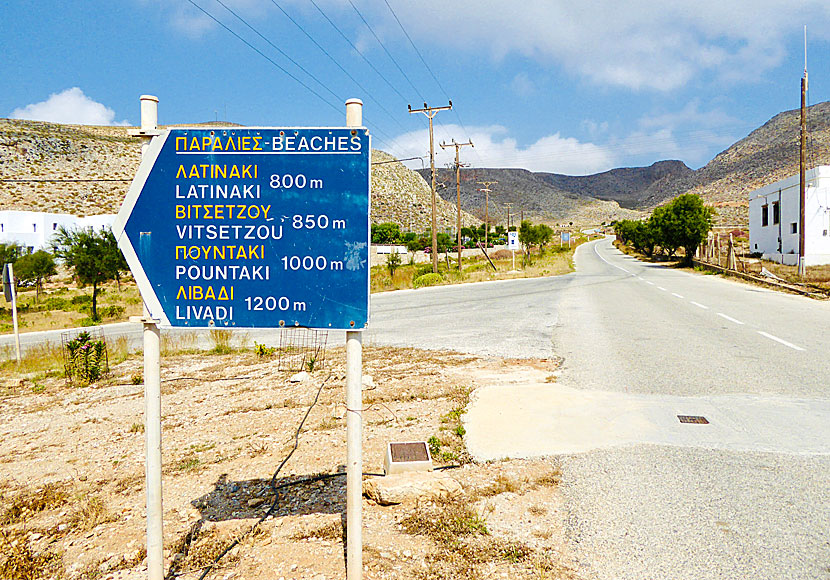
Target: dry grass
x=332, y=531
x=19, y=562
x=26, y=503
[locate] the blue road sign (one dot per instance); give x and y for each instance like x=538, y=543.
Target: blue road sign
x=251, y=227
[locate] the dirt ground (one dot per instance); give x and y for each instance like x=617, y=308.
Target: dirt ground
x=72, y=483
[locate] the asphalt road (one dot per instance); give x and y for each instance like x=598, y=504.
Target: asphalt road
x=746, y=496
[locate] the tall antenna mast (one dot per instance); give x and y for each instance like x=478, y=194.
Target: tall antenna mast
x=802, y=169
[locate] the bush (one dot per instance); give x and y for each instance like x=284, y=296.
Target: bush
x=427, y=280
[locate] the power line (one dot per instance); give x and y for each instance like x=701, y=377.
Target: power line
x=366, y=91
x=278, y=49
x=432, y=74
x=59, y=180
x=392, y=58
x=346, y=38
x=265, y=56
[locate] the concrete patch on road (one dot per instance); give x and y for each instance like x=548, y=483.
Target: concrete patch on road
x=539, y=419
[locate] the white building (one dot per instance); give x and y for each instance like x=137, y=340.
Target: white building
x=34, y=230
x=774, y=217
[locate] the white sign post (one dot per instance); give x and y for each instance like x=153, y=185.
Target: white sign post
x=513, y=245
x=10, y=289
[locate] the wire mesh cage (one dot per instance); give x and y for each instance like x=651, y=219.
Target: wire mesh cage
x=302, y=349
x=85, y=358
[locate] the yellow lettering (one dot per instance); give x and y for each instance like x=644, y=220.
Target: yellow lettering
x=194, y=172
x=183, y=249
x=246, y=170
x=265, y=210
x=219, y=252
x=180, y=214
x=256, y=144
x=231, y=146
x=217, y=144
x=206, y=143
x=223, y=294
x=223, y=170
x=217, y=212
x=190, y=252
x=197, y=292
x=246, y=143
x=194, y=144
x=234, y=172
x=209, y=295
x=181, y=291
x=184, y=143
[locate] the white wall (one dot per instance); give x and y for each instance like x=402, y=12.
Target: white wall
x=34, y=230
x=765, y=239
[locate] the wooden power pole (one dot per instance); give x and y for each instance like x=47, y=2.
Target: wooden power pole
x=458, y=146
x=486, y=189
x=430, y=112
x=802, y=173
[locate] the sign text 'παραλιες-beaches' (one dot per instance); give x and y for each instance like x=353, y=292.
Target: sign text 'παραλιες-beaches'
x=256, y=228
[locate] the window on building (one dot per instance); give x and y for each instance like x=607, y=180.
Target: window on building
x=794, y=228
x=765, y=215
x=34, y=227
x=776, y=212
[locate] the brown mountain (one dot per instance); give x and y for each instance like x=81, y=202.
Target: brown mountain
x=628, y=186
x=766, y=155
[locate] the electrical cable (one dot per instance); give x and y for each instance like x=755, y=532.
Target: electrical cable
x=389, y=54
x=59, y=180
x=346, y=38
x=266, y=57
x=278, y=49
x=432, y=74
x=366, y=91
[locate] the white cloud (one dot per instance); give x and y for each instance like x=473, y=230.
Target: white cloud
x=638, y=44
x=493, y=147
x=71, y=106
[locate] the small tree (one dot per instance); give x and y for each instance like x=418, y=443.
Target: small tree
x=10, y=252
x=386, y=233
x=691, y=222
x=35, y=268
x=393, y=261
x=92, y=255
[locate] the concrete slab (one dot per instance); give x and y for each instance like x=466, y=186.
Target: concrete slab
x=541, y=419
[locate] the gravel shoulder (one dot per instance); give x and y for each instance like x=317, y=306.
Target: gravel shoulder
x=72, y=484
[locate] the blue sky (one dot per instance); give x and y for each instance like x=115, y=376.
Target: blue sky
x=546, y=85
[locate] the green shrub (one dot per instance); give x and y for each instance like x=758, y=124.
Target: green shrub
x=427, y=280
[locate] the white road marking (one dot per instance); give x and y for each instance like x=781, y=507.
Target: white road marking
x=781, y=340
x=676, y=294
x=661, y=288
x=647, y=282
x=729, y=318
x=699, y=305
x=596, y=251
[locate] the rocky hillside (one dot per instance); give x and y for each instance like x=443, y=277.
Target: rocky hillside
x=87, y=171
x=628, y=186
x=766, y=155
x=530, y=194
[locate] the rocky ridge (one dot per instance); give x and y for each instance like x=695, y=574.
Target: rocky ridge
x=768, y=154
x=35, y=150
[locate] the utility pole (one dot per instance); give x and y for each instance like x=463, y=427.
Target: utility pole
x=508, y=206
x=458, y=146
x=430, y=112
x=802, y=169
x=486, y=189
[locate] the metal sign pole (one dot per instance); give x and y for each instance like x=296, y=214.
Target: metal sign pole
x=354, y=421
x=13, y=292
x=152, y=392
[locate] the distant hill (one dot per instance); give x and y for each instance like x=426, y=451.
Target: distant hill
x=768, y=154
x=36, y=150
x=628, y=186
